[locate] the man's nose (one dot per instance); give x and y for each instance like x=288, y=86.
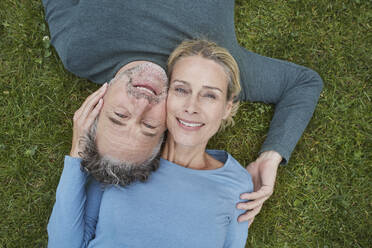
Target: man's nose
x=141, y=105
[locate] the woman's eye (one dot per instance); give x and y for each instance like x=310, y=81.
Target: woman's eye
x=180, y=90
x=211, y=96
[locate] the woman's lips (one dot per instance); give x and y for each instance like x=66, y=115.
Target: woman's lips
x=189, y=125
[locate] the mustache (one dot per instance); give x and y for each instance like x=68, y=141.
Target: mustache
x=138, y=94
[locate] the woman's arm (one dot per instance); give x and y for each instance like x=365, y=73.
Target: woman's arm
x=75, y=212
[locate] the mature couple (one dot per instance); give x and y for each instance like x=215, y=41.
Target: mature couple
x=193, y=198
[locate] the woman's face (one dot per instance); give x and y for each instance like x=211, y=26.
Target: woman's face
x=196, y=102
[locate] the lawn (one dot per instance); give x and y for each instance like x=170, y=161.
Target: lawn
x=322, y=197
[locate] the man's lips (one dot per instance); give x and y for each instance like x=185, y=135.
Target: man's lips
x=146, y=88
x=149, y=79
x=189, y=125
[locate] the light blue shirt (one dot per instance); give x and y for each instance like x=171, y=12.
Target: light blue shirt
x=176, y=207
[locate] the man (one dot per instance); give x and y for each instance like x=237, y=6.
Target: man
x=133, y=116
x=95, y=39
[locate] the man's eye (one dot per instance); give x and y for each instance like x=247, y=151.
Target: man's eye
x=148, y=125
x=121, y=115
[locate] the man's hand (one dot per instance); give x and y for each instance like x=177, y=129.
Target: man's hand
x=263, y=172
x=84, y=118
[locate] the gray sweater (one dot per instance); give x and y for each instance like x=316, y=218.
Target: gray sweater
x=95, y=38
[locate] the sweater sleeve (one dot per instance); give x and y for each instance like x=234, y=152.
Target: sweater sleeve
x=59, y=14
x=75, y=212
x=293, y=89
x=58, y=5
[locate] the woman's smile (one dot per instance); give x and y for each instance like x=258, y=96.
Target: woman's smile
x=189, y=125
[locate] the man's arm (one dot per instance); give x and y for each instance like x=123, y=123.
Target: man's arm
x=263, y=172
x=59, y=14
x=295, y=91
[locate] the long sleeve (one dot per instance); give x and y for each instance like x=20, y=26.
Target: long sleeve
x=60, y=16
x=58, y=6
x=75, y=212
x=292, y=88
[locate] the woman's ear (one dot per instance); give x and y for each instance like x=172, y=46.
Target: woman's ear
x=228, y=109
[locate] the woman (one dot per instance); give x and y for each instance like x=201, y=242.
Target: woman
x=190, y=200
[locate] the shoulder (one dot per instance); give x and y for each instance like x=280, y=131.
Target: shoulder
x=237, y=175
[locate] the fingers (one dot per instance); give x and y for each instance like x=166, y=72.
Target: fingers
x=249, y=214
x=264, y=191
x=92, y=116
x=250, y=222
x=90, y=102
x=253, y=207
x=252, y=204
x=255, y=204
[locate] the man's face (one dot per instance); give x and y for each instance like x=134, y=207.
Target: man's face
x=132, y=119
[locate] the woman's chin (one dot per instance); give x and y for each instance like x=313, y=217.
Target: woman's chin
x=186, y=141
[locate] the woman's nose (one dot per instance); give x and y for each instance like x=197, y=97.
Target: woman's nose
x=191, y=105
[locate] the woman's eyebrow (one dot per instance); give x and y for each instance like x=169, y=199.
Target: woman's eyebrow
x=181, y=81
x=204, y=86
x=212, y=88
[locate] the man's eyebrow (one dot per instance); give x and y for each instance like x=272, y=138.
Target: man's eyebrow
x=148, y=134
x=204, y=86
x=113, y=120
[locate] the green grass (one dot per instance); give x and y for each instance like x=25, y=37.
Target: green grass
x=322, y=197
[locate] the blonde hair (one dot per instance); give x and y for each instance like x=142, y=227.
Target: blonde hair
x=210, y=50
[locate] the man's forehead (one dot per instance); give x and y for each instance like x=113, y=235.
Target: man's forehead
x=126, y=147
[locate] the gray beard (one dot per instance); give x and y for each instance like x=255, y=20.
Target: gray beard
x=110, y=171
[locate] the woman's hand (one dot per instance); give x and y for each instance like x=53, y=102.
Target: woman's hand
x=263, y=172
x=84, y=118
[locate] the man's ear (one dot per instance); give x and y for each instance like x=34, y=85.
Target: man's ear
x=228, y=109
